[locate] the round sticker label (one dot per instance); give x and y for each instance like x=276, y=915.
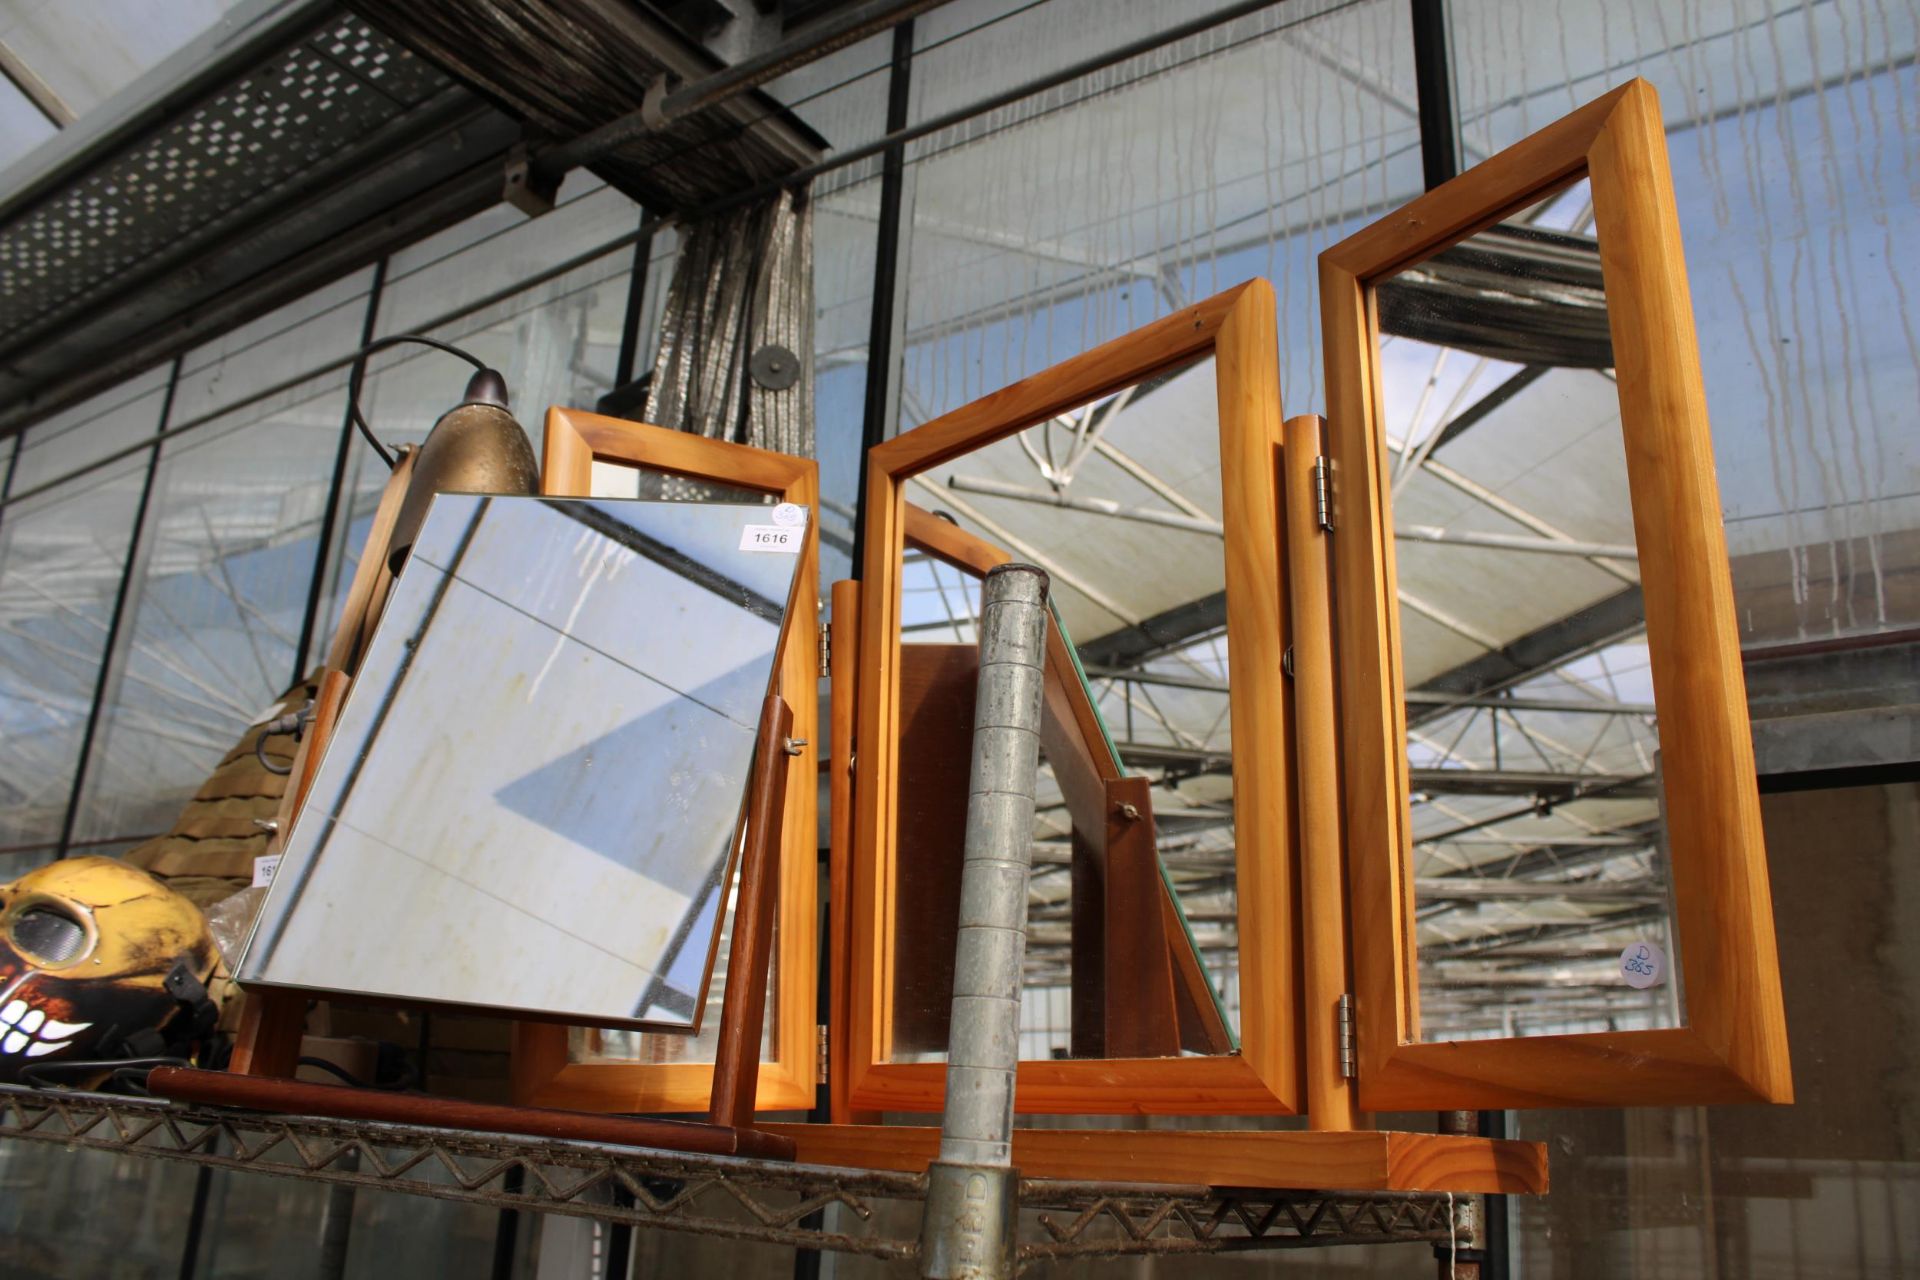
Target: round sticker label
x=789, y=513
x=1642, y=965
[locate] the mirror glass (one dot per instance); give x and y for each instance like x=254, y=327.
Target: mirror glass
x=1132, y=926
x=630, y=1045
x=532, y=800
x=1542, y=900
x=625, y=1045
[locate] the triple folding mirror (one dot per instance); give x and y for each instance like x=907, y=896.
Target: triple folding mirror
x=1555, y=887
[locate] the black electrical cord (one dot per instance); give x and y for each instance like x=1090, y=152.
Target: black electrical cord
x=405, y=1080
x=260, y=754
x=295, y=723
x=129, y=1073
x=335, y=1070
x=357, y=371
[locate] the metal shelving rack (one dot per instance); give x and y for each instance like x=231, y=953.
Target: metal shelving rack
x=802, y=1206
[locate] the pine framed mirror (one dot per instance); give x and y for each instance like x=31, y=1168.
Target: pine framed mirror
x=1556, y=867
x=1177, y=423
x=594, y=1069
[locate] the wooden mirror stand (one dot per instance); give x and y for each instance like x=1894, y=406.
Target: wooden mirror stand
x=267, y=1042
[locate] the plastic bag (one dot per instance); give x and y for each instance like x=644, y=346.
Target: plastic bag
x=230, y=920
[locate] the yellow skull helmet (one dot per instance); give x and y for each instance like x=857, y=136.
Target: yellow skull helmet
x=93, y=953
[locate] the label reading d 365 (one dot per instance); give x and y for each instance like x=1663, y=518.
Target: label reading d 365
x=772, y=537
x=1643, y=965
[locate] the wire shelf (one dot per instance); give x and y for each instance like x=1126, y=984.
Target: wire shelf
x=802, y=1206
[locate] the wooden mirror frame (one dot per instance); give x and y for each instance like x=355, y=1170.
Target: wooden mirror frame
x=1237, y=328
x=1733, y=1046
x=542, y=1073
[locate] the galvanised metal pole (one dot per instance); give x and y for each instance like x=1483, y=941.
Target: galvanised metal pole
x=968, y=1231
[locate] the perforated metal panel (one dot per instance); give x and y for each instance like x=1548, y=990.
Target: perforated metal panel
x=322, y=94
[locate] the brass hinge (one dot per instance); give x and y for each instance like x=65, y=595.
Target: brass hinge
x=1323, y=493
x=1343, y=1036
x=820, y=1062
x=826, y=647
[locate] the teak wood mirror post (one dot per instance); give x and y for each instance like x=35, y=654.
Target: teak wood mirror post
x=548, y=1070
x=1694, y=784
x=1236, y=332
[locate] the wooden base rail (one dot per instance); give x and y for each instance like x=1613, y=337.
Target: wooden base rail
x=1298, y=1159
x=294, y=1097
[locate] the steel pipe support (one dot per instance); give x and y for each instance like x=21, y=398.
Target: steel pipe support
x=968, y=1231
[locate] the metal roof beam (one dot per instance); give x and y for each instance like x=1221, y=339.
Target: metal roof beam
x=34, y=88
x=1541, y=650
x=846, y=27
x=1531, y=782
x=1470, y=889
x=1553, y=706
x=1418, y=697
x=1483, y=944
x=1161, y=633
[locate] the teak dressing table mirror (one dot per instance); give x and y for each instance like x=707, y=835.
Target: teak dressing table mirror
x=1483, y=773
x=510, y=875
x=1362, y=836
x=463, y=841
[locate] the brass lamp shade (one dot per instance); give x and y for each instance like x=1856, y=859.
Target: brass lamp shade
x=475, y=447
